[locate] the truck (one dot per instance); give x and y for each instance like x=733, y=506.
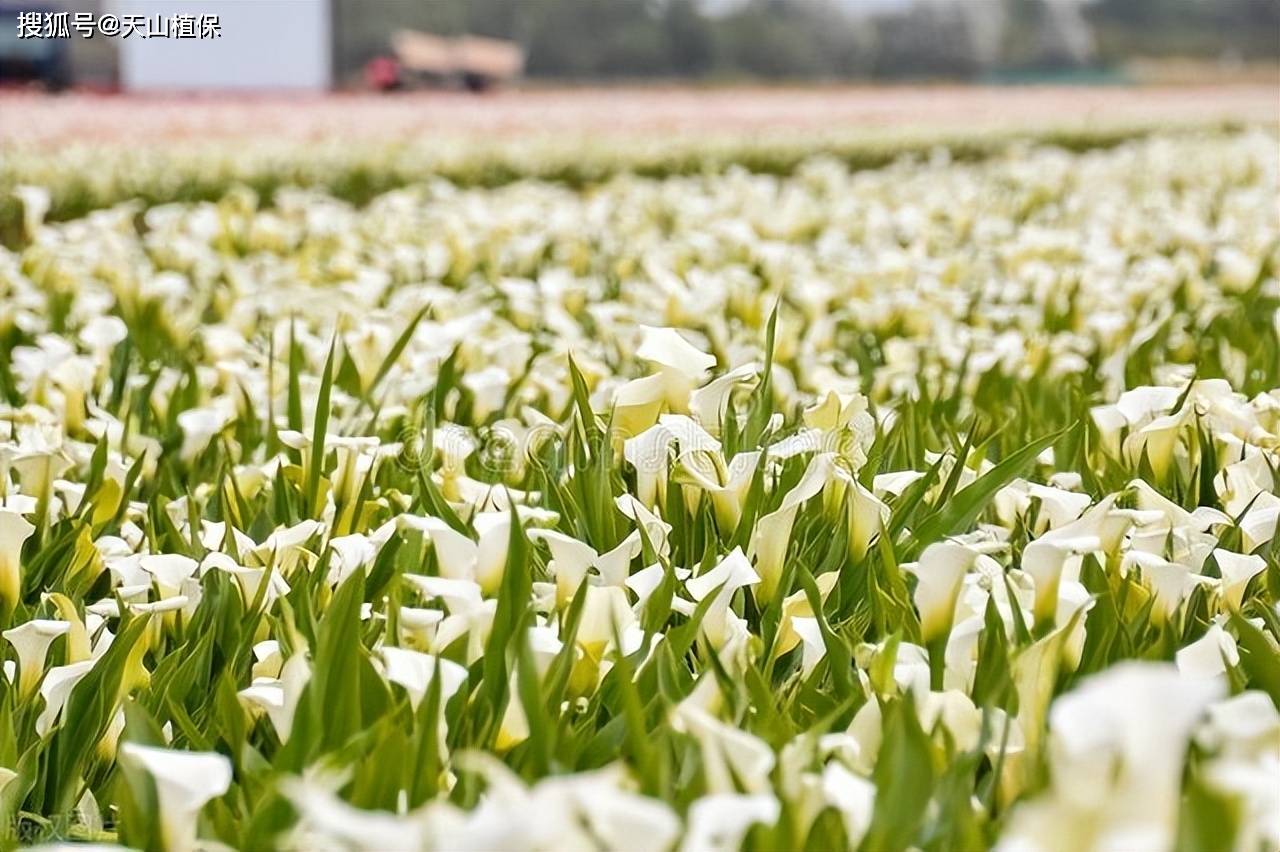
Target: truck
x=31, y=62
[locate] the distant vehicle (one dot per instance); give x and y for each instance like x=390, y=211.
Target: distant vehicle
x=43, y=62
x=422, y=59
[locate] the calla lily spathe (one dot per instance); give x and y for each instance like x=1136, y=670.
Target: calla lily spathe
x=572, y=560
x=720, y=822
x=31, y=640
x=14, y=531
x=1236, y=570
x=56, y=688
x=734, y=572
x=1135, y=720
x=462, y=558
x=680, y=366
x=939, y=574
x=278, y=696
x=772, y=533
x=184, y=782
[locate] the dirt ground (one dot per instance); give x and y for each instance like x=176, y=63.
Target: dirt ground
x=634, y=111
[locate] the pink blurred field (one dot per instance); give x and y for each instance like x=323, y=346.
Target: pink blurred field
x=635, y=111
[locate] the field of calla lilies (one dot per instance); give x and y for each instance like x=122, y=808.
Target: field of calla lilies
x=929, y=506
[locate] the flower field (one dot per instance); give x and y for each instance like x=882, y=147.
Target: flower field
x=925, y=506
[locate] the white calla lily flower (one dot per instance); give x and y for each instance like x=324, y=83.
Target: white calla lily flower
x=1117, y=747
x=169, y=571
x=1237, y=570
x=1209, y=656
x=325, y=818
x=1043, y=559
x=853, y=796
x=709, y=404
x=185, y=782
x=199, y=427
x=31, y=640
x=939, y=574
x=732, y=573
x=720, y=822
x=279, y=696
x=1169, y=582
x=572, y=560
x=415, y=670
x=772, y=534
x=56, y=688
x=730, y=755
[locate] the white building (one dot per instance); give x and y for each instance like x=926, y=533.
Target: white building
x=263, y=45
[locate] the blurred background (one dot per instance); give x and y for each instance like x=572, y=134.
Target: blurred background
x=358, y=97
x=393, y=45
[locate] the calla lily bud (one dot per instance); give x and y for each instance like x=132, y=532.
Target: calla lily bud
x=797, y=606
x=514, y=727
x=78, y=647
x=14, y=531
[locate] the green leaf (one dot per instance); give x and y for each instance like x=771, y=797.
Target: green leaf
x=513, y=603
x=318, y=433
x=336, y=684
x=1258, y=658
x=960, y=512
x=904, y=779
